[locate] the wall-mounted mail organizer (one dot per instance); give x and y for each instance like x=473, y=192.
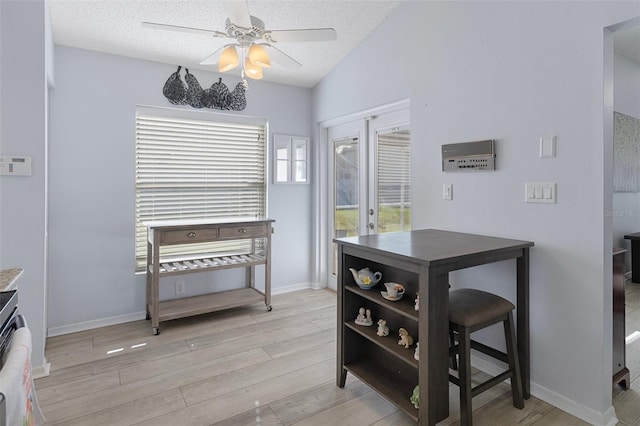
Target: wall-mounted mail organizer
x=469, y=156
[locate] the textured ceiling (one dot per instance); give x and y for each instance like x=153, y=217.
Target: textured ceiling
x=114, y=26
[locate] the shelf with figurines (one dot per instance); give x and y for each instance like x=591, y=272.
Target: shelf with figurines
x=390, y=294
x=397, y=341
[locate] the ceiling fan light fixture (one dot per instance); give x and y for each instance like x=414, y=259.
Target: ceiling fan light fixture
x=229, y=59
x=252, y=70
x=259, y=56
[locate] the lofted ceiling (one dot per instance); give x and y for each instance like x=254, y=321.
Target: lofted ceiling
x=114, y=26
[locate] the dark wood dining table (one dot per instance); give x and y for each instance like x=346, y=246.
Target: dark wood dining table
x=431, y=254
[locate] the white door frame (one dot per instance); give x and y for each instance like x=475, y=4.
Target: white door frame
x=322, y=233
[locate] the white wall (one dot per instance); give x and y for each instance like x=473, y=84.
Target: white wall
x=23, y=43
x=512, y=71
x=92, y=185
x=626, y=205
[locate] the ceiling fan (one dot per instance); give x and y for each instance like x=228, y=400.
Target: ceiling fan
x=253, y=44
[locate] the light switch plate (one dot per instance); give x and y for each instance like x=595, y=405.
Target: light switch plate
x=447, y=191
x=540, y=192
x=547, y=146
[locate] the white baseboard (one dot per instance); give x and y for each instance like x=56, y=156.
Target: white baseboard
x=103, y=322
x=42, y=371
x=290, y=288
x=88, y=325
x=607, y=418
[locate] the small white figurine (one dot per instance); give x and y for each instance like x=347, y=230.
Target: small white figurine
x=417, y=306
x=405, y=339
x=383, y=330
x=416, y=354
x=364, y=317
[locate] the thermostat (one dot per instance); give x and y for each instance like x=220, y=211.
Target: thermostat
x=468, y=156
x=15, y=165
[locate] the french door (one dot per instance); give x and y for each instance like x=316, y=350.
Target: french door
x=370, y=179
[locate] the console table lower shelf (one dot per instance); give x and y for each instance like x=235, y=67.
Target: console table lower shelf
x=196, y=305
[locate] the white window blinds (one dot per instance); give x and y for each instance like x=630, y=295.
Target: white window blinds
x=192, y=168
x=394, y=181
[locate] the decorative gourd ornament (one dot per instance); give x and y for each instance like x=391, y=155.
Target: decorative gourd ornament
x=174, y=89
x=194, y=91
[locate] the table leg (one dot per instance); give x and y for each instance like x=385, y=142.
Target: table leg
x=635, y=261
x=433, y=324
x=341, y=373
x=522, y=311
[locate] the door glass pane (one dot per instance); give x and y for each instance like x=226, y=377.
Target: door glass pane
x=346, y=197
x=393, y=190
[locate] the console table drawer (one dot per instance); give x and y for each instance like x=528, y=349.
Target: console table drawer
x=184, y=236
x=243, y=231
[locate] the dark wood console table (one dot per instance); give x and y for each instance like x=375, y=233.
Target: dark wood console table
x=635, y=256
x=421, y=260
x=620, y=371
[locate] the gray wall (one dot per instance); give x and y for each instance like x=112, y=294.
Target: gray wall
x=24, y=45
x=512, y=71
x=92, y=186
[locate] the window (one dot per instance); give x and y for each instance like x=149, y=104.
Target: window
x=291, y=159
x=192, y=165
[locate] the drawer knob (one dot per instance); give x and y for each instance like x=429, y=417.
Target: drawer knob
x=242, y=230
x=192, y=235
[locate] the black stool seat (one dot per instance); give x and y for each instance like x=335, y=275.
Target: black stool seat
x=471, y=310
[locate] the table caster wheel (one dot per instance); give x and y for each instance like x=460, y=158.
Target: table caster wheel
x=156, y=331
x=269, y=308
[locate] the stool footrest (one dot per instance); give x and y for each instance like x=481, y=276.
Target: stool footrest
x=490, y=351
x=499, y=355
x=491, y=383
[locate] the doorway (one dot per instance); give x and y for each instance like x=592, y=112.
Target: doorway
x=369, y=188
x=622, y=79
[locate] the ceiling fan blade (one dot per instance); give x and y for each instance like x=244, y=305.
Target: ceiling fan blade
x=315, y=34
x=167, y=27
x=238, y=12
x=280, y=58
x=214, y=58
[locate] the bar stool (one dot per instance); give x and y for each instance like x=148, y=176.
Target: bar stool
x=471, y=310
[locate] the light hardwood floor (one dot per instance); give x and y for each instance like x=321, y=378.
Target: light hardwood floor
x=239, y=368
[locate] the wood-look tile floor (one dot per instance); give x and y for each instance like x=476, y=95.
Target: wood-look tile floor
x=238, y=368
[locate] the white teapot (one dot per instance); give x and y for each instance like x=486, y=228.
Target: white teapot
x=365, y=278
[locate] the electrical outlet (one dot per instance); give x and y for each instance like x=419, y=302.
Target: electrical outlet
x=180, y=287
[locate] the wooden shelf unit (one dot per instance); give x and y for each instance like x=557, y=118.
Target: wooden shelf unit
x=380, y=362
x=164, y=233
